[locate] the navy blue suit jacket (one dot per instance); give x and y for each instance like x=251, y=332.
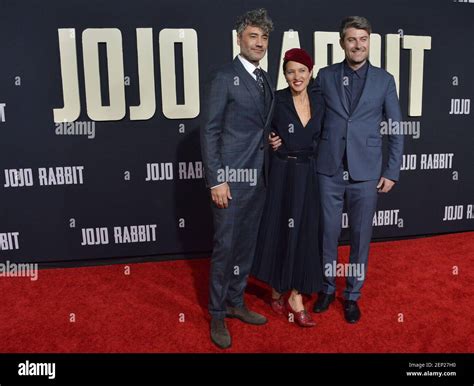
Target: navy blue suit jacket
x=359, y=131
x=235, y=128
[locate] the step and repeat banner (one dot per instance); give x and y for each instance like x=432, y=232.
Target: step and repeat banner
x=100, y=111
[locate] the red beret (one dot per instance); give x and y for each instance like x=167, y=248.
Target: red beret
x=298, y=55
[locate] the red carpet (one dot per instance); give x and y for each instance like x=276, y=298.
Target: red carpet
x=140, y=312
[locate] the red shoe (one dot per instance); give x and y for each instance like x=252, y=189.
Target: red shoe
x=302, y=318
x=278, y=306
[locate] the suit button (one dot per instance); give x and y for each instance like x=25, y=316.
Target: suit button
x=350, y=120
x=343, y=138
x=261, y=147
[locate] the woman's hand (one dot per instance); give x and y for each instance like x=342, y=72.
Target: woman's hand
x=274, y=140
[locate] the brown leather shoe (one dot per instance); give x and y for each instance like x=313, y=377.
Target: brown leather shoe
x=220, y=335
x=245, y=315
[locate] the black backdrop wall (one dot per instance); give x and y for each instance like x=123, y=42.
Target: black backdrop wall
x=124, y=178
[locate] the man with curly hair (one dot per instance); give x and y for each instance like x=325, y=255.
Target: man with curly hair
x=237, y=116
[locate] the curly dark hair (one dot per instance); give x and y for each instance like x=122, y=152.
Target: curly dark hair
x=255, y=18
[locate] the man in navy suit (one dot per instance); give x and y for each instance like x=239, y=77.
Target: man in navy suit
x=357, y=98
x=237, y=117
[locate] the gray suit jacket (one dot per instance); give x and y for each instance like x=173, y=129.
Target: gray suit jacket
x=235, y=129
x=359, y=131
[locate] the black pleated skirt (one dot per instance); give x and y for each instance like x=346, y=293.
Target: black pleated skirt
x=288, y=254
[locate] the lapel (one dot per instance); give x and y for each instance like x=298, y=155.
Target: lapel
x=289, y=101
x=269, y=82
x=272, y=96
x=249, y=82
x=369, y=79
x=338, y=78
x=291, y=105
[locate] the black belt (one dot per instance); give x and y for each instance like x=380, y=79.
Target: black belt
x=300, y=156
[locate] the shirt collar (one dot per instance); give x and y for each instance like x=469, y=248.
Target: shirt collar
x=360, y=73
x=248, y=66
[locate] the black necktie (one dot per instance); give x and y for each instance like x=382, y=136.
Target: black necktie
x=351, y=90
x=258, y=73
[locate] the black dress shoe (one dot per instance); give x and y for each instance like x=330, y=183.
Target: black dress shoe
x=220, y=335
x=351, y=311
x=323, y=302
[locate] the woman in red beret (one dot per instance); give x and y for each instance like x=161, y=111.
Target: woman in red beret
x=288, y=253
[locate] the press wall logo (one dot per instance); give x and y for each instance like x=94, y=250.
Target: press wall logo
x=2, y=112
x=9, y=241
x=161, y=171
x=458, y=212
x=463, y=1
x=59, y=175
x=119, y=234
x=389, y=217
x=427, y=161
x=460, y=106
x=81, y=63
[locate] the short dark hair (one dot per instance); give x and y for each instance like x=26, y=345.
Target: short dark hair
x=255, y=18
x=358, y=22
